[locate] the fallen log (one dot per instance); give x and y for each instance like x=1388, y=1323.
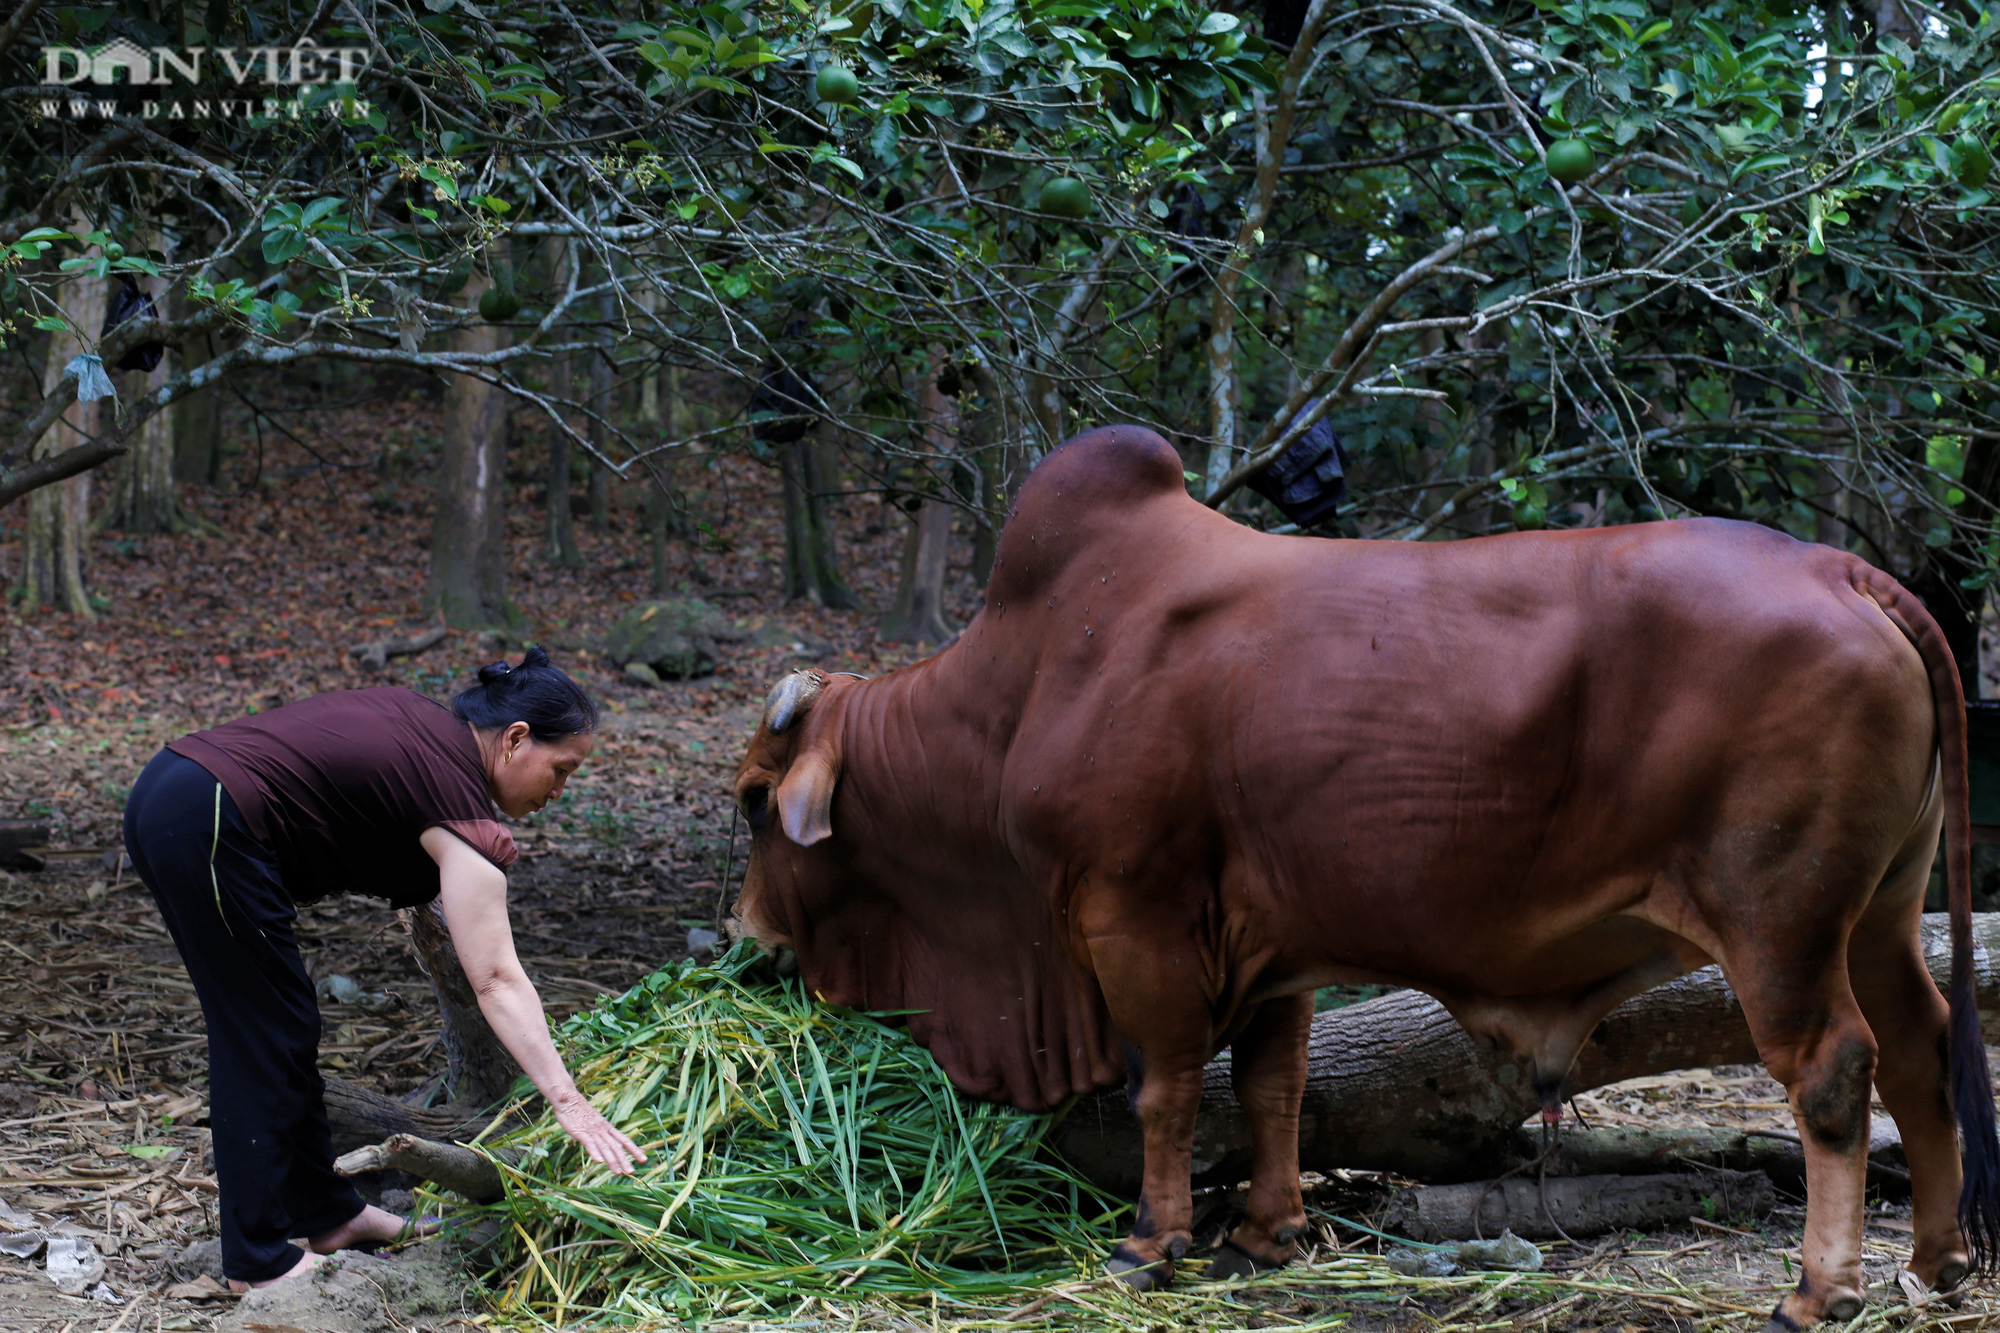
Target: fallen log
x=1578, y=1205
x=457, y=1168
x=361, y=1116
x=22, y=842
x=1392, y=1085
x=1396, y=1085
x=375, y=656
x=1623, y=1151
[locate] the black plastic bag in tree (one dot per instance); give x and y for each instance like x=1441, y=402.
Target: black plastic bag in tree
x=783, y=395
x=131, y=303
x=1308, y=481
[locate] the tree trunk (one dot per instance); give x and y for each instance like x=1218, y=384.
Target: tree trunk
x=478, y=1069
x=664, y=519
x=812, y=568
x=197, y=428
x=52, y=554
x=600, y=407
x=561, y=545
x=1396, y=1085
x=142, y=495
x=468, y=582
x=917, y=615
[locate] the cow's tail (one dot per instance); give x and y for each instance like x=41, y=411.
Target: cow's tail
x=1971, y=1084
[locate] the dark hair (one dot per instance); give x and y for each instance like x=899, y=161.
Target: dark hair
x=553, y=705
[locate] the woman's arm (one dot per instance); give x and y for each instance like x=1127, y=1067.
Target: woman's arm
x=474, y=893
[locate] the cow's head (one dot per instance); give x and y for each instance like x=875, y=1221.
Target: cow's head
x=873, y=872
x=784, y=789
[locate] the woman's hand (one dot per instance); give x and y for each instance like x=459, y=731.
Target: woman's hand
x=604, y=1141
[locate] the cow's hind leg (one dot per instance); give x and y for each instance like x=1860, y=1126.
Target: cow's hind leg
x=1812, y=1038
x=1268, y=1068
x=1885, y=965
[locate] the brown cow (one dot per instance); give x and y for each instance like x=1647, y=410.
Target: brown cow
x=1177, y=774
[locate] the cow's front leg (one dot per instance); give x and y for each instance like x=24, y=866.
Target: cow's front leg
x=1268, y=1067
x=1165, y=1097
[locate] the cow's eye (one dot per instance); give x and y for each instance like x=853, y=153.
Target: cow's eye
x=757, y=807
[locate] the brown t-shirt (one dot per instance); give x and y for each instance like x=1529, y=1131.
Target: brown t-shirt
x=341, y=785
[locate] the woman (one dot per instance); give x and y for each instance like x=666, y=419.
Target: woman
x=381, y=792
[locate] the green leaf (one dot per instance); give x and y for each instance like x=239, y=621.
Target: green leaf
x=146, y=1150
x=1761, y=162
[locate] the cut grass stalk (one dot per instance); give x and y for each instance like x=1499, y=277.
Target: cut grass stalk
x=807, y=1151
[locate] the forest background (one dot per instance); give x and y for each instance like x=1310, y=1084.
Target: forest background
x=329, y=322
x=514, y=318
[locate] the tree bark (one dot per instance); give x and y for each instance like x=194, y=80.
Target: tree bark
x=812, y=568
x=663, y=517
x=468, y=581
x=197, y=426
x=142, y=495
x=52, y=555
x=1396, y=1085
x=560, y=548
x=600, y=408
x=917, y=616
x=1580, y=1205
x=360, y=1116
x=459, y=1169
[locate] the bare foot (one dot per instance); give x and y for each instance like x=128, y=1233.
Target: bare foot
x=371, y=1225
x=306, y=1263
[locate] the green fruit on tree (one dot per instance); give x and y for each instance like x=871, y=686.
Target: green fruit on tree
x=497, y=305
x=837, y=84
x=1066, y=197
x=1971, y=163
x=1570, y=160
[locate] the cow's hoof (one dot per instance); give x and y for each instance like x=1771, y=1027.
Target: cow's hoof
x=1137, y=1273
x=1950, y=1273
x=1841, y=1309
x=1232, y=1260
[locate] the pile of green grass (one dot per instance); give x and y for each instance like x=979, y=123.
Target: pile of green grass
x=796, y=1150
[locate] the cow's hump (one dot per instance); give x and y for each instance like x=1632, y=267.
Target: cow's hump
x=1095, y=482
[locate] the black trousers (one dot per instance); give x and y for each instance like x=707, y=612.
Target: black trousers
x=232, y=919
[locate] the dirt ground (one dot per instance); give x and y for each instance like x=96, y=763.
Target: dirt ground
x=102, y=1068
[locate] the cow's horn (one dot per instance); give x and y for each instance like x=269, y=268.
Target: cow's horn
x=790, y=698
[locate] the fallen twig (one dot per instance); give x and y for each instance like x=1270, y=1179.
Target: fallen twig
x=375, y=656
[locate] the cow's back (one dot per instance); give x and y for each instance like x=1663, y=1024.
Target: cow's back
x=1329, y=747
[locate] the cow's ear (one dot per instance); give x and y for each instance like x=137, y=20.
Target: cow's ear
x=805, y=797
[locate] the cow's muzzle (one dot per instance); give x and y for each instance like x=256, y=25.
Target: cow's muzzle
x=782, y=956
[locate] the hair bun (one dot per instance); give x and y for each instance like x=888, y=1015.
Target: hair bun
x=536, y=656
x=494, y=672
